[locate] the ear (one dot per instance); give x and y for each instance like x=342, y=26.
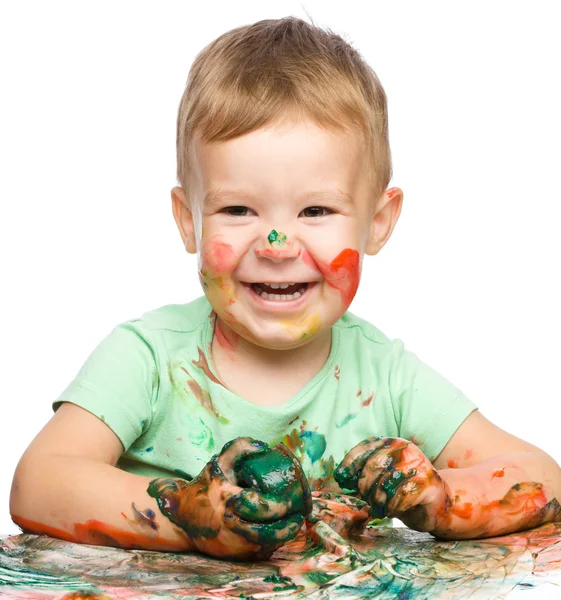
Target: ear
x=184, y=218
x=384, y=219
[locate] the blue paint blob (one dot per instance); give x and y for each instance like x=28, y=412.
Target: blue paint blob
x=314, y=444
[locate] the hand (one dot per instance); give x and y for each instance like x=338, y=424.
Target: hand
x=224, y=520
x=396, y=479
x=346, y=515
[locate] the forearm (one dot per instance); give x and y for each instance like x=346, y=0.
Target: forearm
x=507, y=493
x=88, y=502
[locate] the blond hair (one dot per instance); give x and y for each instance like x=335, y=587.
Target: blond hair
x=258, y=74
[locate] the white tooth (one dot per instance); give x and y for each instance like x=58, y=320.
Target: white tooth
x=284, y=285
x=283, y=296
x=302, y=290
x=291, y=283
x=275, y=286
x=276, y=296
x=296, y=295
x=265, y=295
x=264, y=283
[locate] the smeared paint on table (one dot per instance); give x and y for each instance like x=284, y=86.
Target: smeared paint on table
x=384, y=563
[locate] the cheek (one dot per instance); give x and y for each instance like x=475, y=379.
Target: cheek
x=218, y=257
x=342, y=273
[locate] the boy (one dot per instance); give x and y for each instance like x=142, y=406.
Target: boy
x=284, y=166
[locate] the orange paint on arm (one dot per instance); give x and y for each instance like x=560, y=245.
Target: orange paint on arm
x=98, y=533
x=498, y=473
x=468, y=454
x=463, y=510
x=453, y=463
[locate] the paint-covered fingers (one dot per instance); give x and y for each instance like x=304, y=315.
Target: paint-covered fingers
x=345, y=514
x=170, y=494
x=235, y=450
x=265, y=535
x=349, y=470
x=390, y=471
x=257, y=507
x=392, y=475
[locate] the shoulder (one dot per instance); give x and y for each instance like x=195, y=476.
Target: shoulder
x=354, y=329
x=179, y=318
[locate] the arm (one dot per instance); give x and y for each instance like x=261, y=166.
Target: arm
x=496, y=483
x=67, y=486
x=502, y=484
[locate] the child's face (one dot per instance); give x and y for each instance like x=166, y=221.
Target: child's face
x=266, y=229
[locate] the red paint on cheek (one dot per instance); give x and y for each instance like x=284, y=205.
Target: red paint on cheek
x=220, y=257
x=343, y=273
x=499, y=473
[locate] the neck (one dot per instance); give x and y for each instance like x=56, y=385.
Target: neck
x=228, y=344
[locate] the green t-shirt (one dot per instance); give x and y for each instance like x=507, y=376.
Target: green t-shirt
x=151, y=380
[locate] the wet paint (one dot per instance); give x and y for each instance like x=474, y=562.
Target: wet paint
x=247, y=501
x=277, y=239
x=202, y=364
x=342, y=273
x=276, y=473
x=302, y=328
x=227, y=341
x=219, y=257
x=202, y=395
x=389, y=563
x=98, y=533
x=144, y=520
x=354, y=415
x=306, y=442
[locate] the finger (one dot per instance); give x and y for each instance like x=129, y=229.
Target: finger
x=383, y=490
x=388, y=458
x=348, y=471
x=300, y=477
x=235, y=449
x=251, y=505
x=265, y=534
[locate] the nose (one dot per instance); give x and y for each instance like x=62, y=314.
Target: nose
x=277, y=246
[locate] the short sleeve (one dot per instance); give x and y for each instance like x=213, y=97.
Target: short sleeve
x=428, y=408
x=117, y=383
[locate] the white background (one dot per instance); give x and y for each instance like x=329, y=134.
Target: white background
x=469, y=280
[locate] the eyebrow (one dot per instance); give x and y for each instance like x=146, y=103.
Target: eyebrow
x=214, y=196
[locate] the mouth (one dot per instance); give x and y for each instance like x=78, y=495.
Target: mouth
x=281, y=291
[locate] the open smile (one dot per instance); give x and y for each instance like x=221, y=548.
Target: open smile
x=279, y=293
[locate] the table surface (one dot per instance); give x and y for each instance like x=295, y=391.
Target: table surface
x=382, y=563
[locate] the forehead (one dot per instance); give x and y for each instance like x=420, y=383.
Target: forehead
x=295, y=159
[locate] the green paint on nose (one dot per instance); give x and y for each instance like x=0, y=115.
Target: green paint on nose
x=276, y=238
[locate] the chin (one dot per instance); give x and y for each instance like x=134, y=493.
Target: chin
x=281, y=341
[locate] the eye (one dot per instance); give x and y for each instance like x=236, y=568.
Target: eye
x=236, y=211
x=316, y=211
